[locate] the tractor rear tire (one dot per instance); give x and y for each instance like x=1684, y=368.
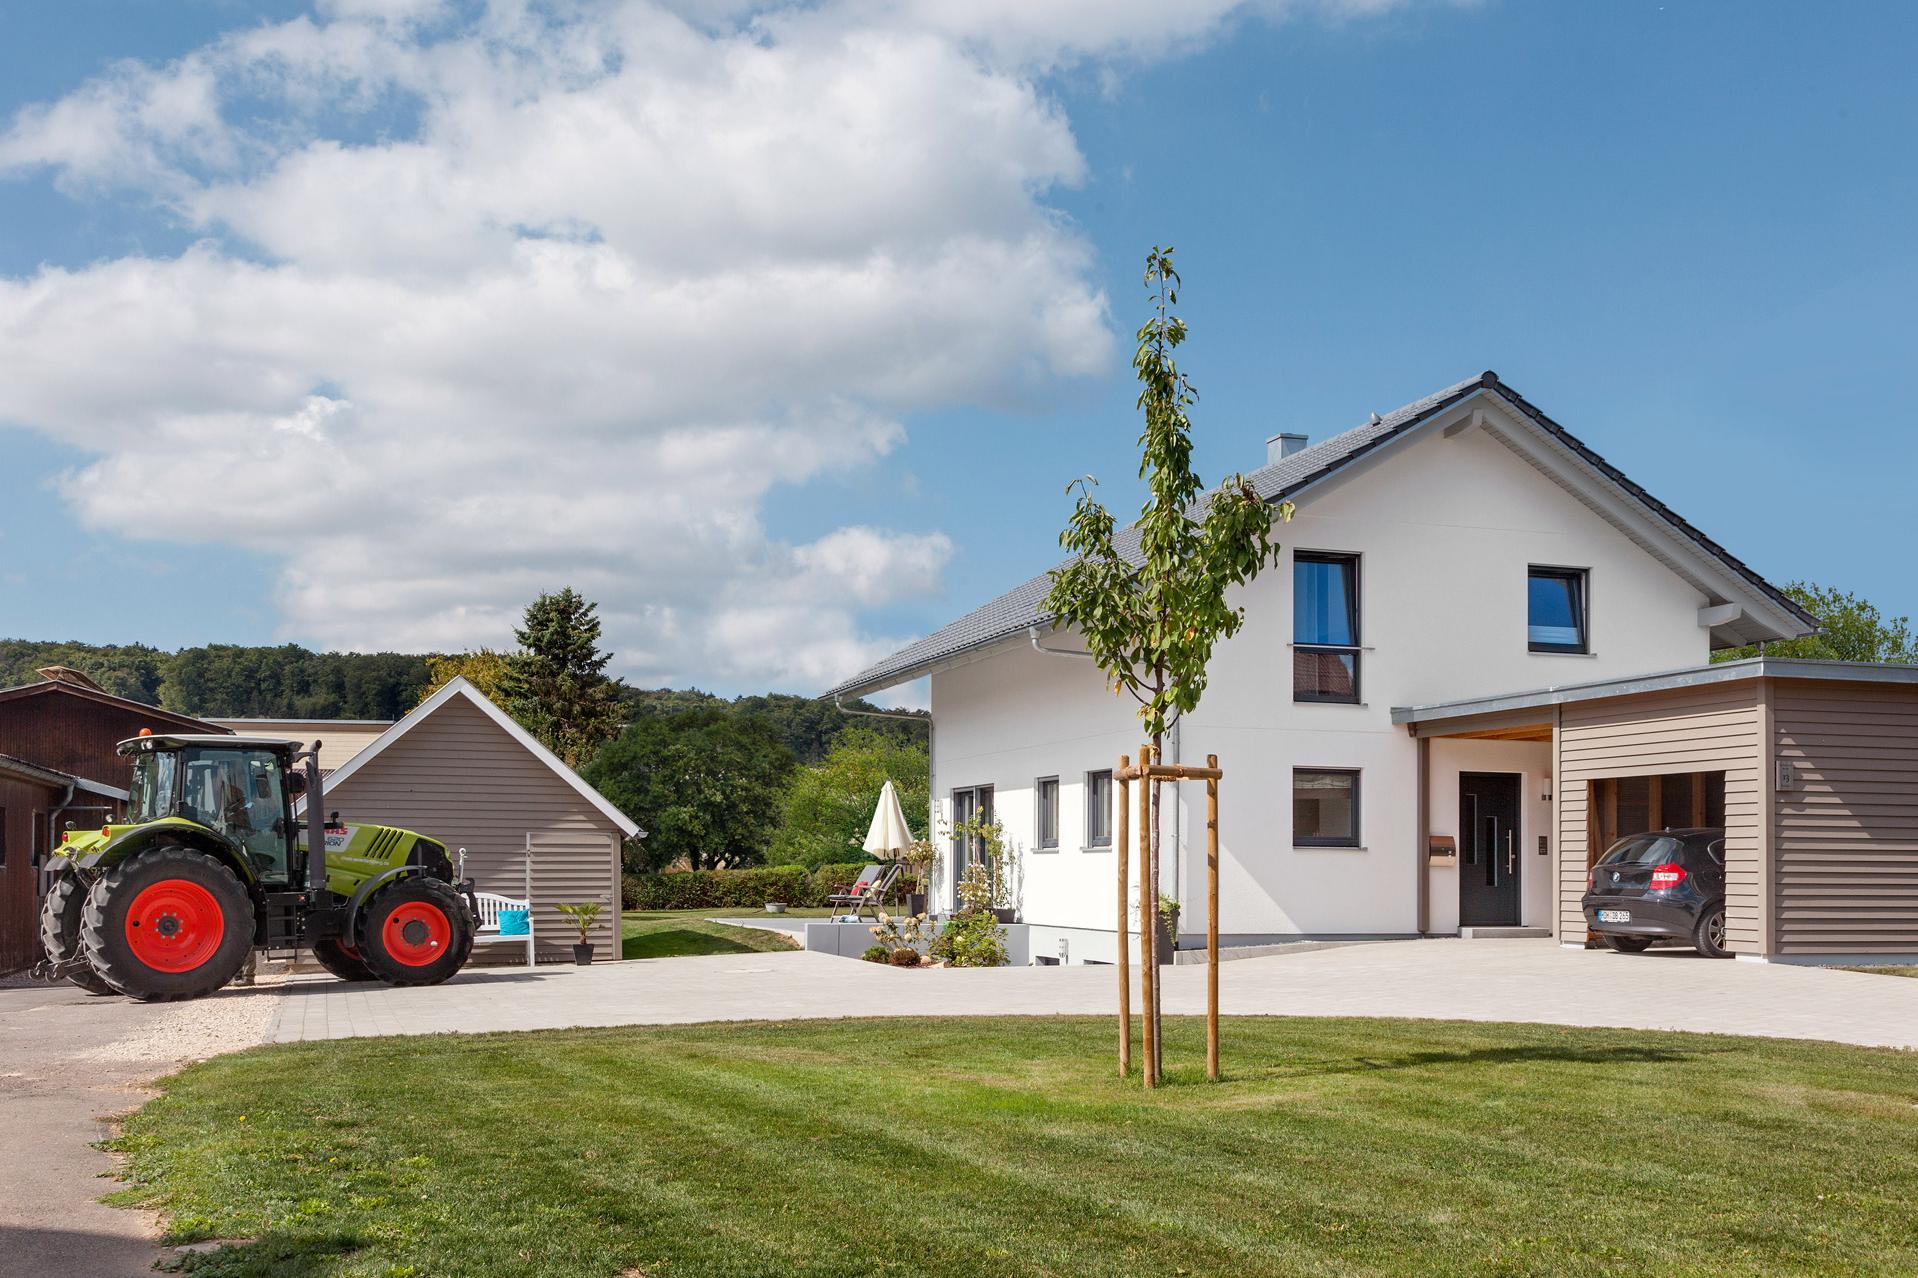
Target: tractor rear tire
x=416, y=931
x=342, y=960
x=168, y=923
x=60, y=931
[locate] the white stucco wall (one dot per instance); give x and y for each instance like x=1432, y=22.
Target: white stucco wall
x=1445, y=530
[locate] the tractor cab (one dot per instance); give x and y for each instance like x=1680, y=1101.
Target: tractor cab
x=241, y=788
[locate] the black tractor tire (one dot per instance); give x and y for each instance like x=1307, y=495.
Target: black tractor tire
x=168, y=923
x=344, y=962
x=1708, y=934
x=414, y=931
x=1626, y=944
x=60, y=931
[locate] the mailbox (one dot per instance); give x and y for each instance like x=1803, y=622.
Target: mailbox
x=1441, y=848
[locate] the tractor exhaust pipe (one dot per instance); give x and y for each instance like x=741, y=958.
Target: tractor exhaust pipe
x=315, y=822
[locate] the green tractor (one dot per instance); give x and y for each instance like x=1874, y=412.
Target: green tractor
x=212, y=863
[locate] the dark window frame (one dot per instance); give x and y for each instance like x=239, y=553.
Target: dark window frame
x=1581, y=583
x=3, y=838
x=1098, y=833
x=1355, y=650
x=1040, y=810
x=1355, y=840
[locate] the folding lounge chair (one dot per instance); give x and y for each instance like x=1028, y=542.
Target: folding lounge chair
x=866, y=894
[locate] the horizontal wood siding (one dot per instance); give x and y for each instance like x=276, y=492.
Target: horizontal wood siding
x=72, y=732
x=1711, y=729
x=1847, y=828
x=460, y=778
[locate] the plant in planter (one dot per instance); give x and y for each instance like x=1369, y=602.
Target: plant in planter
x=899, y=937
x=973, y=936
x=876, y=954
x=584, y=914
x=1002, y=863
x=915, y=864
x=1168, y=924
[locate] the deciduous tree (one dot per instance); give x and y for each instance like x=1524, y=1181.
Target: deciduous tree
x=1851, y=629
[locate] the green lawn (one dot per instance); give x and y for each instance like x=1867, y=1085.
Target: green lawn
x=677, y=933
x=989, y=1147
x=1885, y=971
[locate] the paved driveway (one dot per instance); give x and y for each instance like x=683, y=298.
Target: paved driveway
x=1443, y=979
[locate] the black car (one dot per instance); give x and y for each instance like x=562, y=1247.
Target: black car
x=1665, y=885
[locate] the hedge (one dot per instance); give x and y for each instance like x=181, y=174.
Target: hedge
x=736, y=889
x=719, y=889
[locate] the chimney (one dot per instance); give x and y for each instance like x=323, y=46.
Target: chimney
x=1283, y=445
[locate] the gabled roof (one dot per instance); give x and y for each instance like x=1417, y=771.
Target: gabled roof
x=1020, y=609
x=460, y=686
x=60, y=687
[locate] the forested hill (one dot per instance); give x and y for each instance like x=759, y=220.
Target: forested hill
x=230, y=681
x=227, y=681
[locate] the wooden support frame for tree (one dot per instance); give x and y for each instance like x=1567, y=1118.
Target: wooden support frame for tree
x=1145, y=773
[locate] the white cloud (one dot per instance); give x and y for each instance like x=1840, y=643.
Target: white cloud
x=619, y=274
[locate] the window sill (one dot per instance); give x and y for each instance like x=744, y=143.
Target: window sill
x=1554, y=652
x=1330, y=847
x=1097, y=847
x=1313, y=701
x=1051, y=851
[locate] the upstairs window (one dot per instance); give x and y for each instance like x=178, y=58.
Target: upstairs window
x=1046, y=819
x=1325, y=627
x=1099, y=809
x=1555, y=610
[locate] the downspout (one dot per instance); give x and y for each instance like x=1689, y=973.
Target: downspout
x=53, y=822
x=932, y=788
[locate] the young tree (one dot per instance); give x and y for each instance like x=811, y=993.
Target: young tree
x=1152, y=603
x=828, y=807
x=557, y=684
x=704, y=784
x=1851, y=629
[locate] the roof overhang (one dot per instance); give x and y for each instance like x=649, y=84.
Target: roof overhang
x=1447, y=718
x=50, y=777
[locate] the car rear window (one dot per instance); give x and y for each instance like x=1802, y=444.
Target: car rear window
x=1644, y=849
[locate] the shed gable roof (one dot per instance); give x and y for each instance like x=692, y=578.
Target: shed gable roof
x=460, y=687
x=63, y=688
x=1586, y=475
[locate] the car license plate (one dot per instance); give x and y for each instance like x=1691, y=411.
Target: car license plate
x=1614, y=916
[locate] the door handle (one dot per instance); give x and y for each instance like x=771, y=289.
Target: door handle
x=1511, y=855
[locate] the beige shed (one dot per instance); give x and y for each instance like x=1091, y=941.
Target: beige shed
x=462, y=770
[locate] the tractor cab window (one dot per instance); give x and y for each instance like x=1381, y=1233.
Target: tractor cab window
x=151, y=796
x=239, y=793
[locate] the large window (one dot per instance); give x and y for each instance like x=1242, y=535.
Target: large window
x=1099, y=809
x=1555, y=610
x=970, y=807
x=1325, y=628
x=1325, y=808
x=1045, y=821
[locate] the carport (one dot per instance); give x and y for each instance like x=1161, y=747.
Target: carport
x=1811, y=767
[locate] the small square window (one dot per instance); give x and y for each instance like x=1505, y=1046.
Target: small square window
x=1046, y=819
x=1555, y=610
x=1099, y=809
x=1325, y=807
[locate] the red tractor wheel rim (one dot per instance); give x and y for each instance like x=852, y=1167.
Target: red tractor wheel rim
x=416, y=933
x=174, y=925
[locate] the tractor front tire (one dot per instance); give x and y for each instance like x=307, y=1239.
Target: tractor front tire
x=60, y=931
x=168, y=923
x=341, y=959
x=416, y=931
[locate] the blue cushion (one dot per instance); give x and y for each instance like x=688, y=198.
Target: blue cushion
x=514, y=922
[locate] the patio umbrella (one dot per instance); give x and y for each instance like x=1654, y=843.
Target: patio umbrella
x=889, y=835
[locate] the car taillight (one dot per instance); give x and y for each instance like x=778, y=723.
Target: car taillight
x=1667, y=876
x=1591, y=881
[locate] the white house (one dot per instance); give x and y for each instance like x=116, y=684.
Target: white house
x=1463, y=551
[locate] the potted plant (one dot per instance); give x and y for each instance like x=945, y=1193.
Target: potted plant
x=916, y=862
x=1002, y=865
x=584, y=915
x=1167, y=940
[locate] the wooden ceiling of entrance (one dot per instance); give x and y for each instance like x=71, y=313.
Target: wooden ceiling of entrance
x=1523, y=732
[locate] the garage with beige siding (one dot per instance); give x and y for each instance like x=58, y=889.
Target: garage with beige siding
x=460, y=770
x=1811, y=768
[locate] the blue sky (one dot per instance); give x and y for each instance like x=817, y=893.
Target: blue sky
x=1684, y=230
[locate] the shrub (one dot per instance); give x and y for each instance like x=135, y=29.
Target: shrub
x=719, y=889
x=876, y=954
x=903, y=958
x=971, y=939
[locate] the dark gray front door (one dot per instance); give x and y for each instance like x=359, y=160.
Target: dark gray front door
x=1489, y=859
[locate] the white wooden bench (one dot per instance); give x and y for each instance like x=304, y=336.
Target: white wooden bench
x=490, y=904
